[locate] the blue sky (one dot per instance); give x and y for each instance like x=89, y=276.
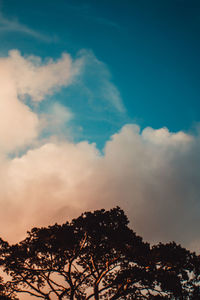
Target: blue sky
x=150, y=48
x=99, y=106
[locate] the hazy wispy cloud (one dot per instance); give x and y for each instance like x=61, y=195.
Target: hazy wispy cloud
x=96, y=82
x=13, y=25
x=86, y=12
x=106, y=22
x=55, y=120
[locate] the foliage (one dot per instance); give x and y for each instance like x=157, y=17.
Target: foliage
x=5, y=292
x=97, y=256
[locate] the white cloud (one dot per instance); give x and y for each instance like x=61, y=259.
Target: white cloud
x=157, y=183
x=21, y=76
x=164, y=138
x=38, y=80
x=18, y=124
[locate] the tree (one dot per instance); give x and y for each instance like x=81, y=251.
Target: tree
x=5, y=292
x=97, y=256
x=177, y=270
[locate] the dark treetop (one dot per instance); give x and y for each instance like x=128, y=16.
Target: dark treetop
x=97, y=256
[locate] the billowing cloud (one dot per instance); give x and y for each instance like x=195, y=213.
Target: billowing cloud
x=21, y=76
x=37, y=80
x=153, y=175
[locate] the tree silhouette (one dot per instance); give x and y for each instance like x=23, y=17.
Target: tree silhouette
x=97, y=256
x=5, y=292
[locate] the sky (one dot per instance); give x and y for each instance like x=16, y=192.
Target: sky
x=99, y=107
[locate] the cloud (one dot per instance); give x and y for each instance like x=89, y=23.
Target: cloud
x=38, y=80
x=85, y=11
x=21, y=76
x=106, y=22
x=56, y=120
x=13, y=25
x=152, y=174
x=164, y=138
x=158, y=176
x=96, y=83
x=155, y=179
x=29, y=77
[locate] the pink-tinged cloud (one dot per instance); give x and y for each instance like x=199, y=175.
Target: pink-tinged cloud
x=153, y=175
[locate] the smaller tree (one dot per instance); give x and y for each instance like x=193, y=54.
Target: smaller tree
x=175, y=269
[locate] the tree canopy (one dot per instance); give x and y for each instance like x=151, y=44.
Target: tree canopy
x=97, y=256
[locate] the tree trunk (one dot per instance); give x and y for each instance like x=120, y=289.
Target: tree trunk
x=71, y=297
x=96, y=292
